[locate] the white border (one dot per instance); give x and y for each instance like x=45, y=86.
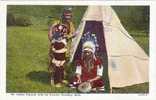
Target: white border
x=152, y=92
x=153, y=49
x=2, y=49
x=68, y=2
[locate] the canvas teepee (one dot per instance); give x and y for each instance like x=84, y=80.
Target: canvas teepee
x=127, y=63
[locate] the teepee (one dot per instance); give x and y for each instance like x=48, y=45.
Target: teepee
x=126, y=61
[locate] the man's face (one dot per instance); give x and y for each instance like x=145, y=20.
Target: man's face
x=67, y=20
x=67, y=16
x=87, y=55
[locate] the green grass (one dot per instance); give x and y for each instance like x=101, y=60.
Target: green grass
x=27, y=61
x=139, y=88
x=27, y=53
x=27, y=49
x=142, y=38
x=27, y=56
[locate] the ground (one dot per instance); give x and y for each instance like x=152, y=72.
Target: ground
x=27, y=62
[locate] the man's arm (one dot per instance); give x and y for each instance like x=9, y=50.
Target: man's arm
x=99, y=73
x=72, y=31
x=95, y=78
x=78, y=73
x=79, y=78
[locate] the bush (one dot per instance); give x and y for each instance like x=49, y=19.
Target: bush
x=133, y=17
x=10, y=19
x=23, y=21
x=19, y=20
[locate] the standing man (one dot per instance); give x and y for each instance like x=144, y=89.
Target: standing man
x=66, y=21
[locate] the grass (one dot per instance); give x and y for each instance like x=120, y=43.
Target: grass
x=142, y=38
x=139, y=88
x=27, y=55
x=27, y=61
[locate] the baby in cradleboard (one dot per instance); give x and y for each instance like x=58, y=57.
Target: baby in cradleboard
x=89, y=71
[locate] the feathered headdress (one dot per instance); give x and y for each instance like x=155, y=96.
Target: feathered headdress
x=89, y=42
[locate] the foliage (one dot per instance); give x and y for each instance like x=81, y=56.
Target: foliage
x=23, y=21
x=134, y=17
x=10, y=19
